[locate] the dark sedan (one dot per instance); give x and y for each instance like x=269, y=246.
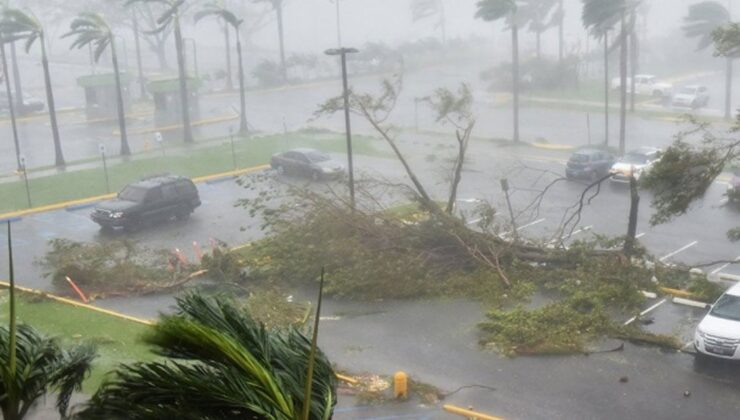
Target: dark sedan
x=308, y=163
x=589, y=163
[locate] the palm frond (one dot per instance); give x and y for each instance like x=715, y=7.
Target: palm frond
x=492, y=10
x=702, y=20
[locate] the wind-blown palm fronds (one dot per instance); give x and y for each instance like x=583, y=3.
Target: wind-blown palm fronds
x=92, y=29
x=222, y=365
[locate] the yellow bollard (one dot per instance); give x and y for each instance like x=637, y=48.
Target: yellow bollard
x=400, y=385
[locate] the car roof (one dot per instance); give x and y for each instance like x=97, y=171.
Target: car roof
x=303, y=150
x=644, y=75
x=734, y=290
x=587, y=151
x=157, y=180
x=694, y=86
x=644, y=150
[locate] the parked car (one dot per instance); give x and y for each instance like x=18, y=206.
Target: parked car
x=306, y=162
x=733, y=188
x=157, y=198
x=639, y=160
x=589, y=163
x=692, y=96
x=30, y=104
x=718, y=334
x=646, y=84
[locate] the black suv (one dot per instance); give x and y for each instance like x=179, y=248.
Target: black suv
x=156, y=198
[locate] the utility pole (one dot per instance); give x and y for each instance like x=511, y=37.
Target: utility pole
x=343, y=53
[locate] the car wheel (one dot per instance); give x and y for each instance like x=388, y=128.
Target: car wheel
x=132, y=226
x=280, y=170
x=594, y=176
x=315, y=176
x=106, y=228
x=183, y=213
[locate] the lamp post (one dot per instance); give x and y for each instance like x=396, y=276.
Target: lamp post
x=101, y=147
x=343, y=53
x=22, y=160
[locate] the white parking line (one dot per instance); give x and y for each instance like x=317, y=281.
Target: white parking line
x=574, y=233
x=723, y=267
x=538, y=221
x=474, y=221
x=631, y=320
x=640, y=235
x=682, y=249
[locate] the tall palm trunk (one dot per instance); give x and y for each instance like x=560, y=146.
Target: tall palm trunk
x=17, y=80
x=629, y=243
x=142, y=87
x=125, y=150
x=184, y=100
x=606, y=89
x=283, y=68
x=11, y=107
x=227, y=41
x=622, y=86
x=515, y=76
x=728, y=88
x=13, y=405
x=560, y=31
x=59, y=156
x=243, y=126
x=539, y=44
x=634, y=66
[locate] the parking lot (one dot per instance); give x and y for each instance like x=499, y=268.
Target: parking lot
x=436, y=341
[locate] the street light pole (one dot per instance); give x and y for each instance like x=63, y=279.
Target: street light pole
x=195, y=55
x=11, y=106
x=343, y=53
x=339, y=25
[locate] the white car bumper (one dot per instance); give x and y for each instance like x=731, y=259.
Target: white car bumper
x=717, y=346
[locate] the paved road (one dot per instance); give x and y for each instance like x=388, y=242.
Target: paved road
x=436, y=340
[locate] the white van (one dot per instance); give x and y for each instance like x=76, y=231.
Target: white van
x=718, y=334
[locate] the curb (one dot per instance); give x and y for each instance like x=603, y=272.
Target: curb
x=548, y=146
x=468, y=413
x=90, y=201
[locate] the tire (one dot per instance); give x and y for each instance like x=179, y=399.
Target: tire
x=594, y=176
x=132, y=226
x=280, y=170
x=183, y=213
x=315, y=176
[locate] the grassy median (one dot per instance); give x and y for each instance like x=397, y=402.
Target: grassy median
x=199, y=159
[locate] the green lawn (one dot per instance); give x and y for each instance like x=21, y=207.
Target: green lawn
x=116, y=339
x=190, y=161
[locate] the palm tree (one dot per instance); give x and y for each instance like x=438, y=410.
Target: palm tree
x=560, y=19
x=702, y=20
x=11, y=104
x=230, y=20
x=539, y=14
x=492, y=10
x=92, y=28
x=277, y=5
x=222, y=364
x=171, y=16
x=17, y=25
x=33, y=365
x=599, y=17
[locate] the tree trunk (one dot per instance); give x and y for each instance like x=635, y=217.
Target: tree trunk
x=59, y=156
x=125, y=150
x=283, y=68
x=622, y=86
x=728, y=88
x=515, y=76
x=462, y=141
x=539, y=44
x=137, y=43
x=184, y=100
x=634, y=64
x=17, y=80
x=561, y=11
x=11, y=107
x=161, y=52
x=606, y=89
x=227, y=40
x=629, y=243
x=339, y=26
x=243, y=126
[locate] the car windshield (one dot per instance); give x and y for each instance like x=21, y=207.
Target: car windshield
x=131, y=193
x=688, y=91
x=578, y=157
x=634, y=158
x=316, y=157
x=727, y=307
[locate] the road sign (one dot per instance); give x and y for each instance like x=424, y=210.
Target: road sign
x=101, y=147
